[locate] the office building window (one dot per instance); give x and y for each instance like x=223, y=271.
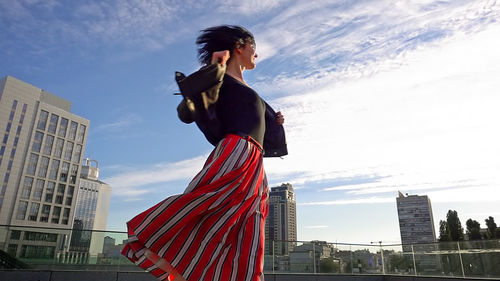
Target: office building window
x=59, y=148
x=77, y=153
x=42, y=120
x=53, y=123
x=32, y=164
x=44, y=165
x=74, y=173
x=49, y=142
x=28, y=184
x=65, y=217
x=54, y=169
x=68, y=151
x=64, y=172
x=44, y=215
x=56, y=214
x=21, y=210
x=81, y=133
x=50, y=191
x=37, y=195
x=72, y=130
x=37, y=142
x=33, y=211
x=63, y=127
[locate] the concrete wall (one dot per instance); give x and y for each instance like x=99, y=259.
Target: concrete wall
x=45, y=275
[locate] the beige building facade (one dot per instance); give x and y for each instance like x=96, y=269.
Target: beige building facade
x=41, y=153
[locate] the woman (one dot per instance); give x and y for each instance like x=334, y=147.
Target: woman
x=215, y=229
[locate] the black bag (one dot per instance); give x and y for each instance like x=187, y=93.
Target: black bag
x=200, y=92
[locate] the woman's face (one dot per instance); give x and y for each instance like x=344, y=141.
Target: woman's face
x=248, y=56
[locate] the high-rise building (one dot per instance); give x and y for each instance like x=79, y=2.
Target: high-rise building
x=91, y=213
x=281, y=223
x=416, y=222
x=40, y=158
x=418, y=236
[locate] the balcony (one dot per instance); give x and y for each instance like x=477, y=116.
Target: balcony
x=53, y=254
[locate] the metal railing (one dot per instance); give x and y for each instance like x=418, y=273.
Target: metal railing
x=78, y=249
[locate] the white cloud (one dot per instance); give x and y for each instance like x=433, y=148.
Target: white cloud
x=131, y=183
x=428, y=124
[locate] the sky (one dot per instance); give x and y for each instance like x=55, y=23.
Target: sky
x=378, y=97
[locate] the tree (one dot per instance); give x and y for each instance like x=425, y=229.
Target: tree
x=443, y=231
x=492, y=227
x=451, y=229
x=454, y=226
x=473, y=229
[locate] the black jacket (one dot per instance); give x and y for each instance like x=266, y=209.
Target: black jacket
x=200, y=92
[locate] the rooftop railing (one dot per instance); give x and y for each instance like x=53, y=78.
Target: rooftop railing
x=40, y=248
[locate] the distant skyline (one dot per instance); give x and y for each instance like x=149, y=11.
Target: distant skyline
x=378, y=96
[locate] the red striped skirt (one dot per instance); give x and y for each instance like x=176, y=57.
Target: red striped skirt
x=215, y=229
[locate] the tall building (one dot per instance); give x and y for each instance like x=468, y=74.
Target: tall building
x=416, y=222
x=418, y=236
x=40, y=159
x=281, y=223
x=91, y=213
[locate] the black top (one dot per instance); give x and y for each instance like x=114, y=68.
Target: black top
x=241, y=110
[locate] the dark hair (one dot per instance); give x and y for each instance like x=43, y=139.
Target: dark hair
x=220, y=38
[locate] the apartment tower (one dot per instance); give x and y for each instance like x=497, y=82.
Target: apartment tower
x=281, y=223
x=40, y=160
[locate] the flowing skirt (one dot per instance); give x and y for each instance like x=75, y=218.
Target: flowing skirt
x=215, y=229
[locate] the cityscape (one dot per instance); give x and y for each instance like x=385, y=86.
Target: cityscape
x=391, y=116
x=53, y=205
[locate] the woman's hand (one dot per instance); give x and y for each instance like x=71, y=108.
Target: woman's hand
x=279, y=118
x=221, y=56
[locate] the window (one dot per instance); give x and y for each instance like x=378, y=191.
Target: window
x=60, y=193
x=47, y=148
x=63, y=127
x=69, y=151
x=74, y=172
x=53, y=123
x=54, y=168
x=44, y=216
x=21, y=210
x=37, y=195
x=64, y=172
x=72, y=130
x=81, y=133
x=34, y=211
x=37, y=252
x=15, y=235
x=65, y=216
x=55, y=215
x=69, y=196
x=59, y=148
x=32, y=164
x=37, y=142
x=50, y=191
x=28, y=183
x=44, y=165
x=77, y=153
x=42, y=120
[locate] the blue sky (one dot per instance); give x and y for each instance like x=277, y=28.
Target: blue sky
x=378, y=96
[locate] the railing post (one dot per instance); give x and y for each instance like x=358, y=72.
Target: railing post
x=314, y=259
x=414, y=263
x=352, y=265
x=273, y=254
x=461, y=262
x=382, y=255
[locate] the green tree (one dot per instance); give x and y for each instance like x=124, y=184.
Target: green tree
x=454, y=226
x=473, y=229
x=443, y=231
x=492, y=227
